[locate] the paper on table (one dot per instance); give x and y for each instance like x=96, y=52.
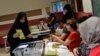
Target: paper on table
x=50, y=52
x=22, y=36
x=63, y=52
x=23, y=46
x=62, y=46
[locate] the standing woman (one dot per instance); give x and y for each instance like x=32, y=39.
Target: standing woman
x=52, y=23
x=67, y=12
x=21, y=23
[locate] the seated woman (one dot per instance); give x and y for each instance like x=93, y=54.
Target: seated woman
x=13, y=37
x=89, y=29
x=73, y=39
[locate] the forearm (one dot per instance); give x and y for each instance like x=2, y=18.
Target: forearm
x=61, y=41
x=51, y=21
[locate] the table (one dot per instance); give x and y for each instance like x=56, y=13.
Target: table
x=61, y=51
x=39, y=32
x=40, y=50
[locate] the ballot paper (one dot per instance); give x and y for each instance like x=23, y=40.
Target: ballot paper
x=50, y=51
x=22, y=36
x=64, y=52
x=63, y=47
x=23, y=46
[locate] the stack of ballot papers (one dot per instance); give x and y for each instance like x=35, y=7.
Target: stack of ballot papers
x=60, y=50
x=49, y=51
x=64, y=52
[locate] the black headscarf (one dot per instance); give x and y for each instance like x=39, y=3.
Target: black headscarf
x=69, y=13
x=18, y=25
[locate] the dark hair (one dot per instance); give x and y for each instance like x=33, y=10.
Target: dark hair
x=67, y=7
x=82, y=19
x=20, y=15
x=17, y=22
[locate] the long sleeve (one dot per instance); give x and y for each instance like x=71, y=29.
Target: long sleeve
x=10, y=35
x=14, y=42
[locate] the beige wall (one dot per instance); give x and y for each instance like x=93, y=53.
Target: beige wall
x=87, y=6
x=14, y=6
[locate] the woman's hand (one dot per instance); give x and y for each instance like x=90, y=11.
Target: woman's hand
x=53, y=36
x=16, y=35
x=46, y=40
x=75, y=51
x=29, y=35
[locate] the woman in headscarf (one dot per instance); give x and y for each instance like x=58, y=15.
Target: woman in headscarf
x=90, y=34
x=67, y=12
x=21, y=23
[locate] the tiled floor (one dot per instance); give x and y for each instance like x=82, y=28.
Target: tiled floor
x=3, y=52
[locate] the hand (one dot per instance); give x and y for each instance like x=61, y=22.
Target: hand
x=53, y=36
x=16, y=35
x=30, y=36
x=46, y=40
x=75, y=51
x=57, y=34
x=55, y=40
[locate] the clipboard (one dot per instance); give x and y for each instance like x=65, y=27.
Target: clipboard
x=19, y=31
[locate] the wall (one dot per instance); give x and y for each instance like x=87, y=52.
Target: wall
x=87, y=6
x=13, y=6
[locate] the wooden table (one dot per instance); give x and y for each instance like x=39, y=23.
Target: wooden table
x=38, y=32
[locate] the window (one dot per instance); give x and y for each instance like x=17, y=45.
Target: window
x=57, y=6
